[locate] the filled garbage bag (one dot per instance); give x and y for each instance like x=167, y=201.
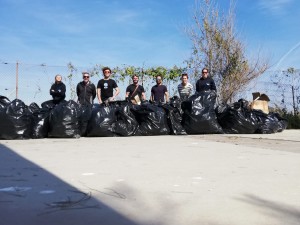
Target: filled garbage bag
x=268, y=123
x=282, y=122
x=199, y=116
x=40, y=121
x=125, y=124
x=85, y=115
x=33, y=107
x=63, y=120
x=151, y=118
x=237, y=118
x=48, y=104
x=101, y=120
x=4, y=101
x=15, y=121
x=174, y=119
x=176, y=103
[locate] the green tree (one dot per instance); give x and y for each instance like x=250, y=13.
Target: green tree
x=170, y=75
x=124, y=73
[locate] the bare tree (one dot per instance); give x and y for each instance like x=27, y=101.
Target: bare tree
x=217, y=46
x=288, y=83
x=71, y=69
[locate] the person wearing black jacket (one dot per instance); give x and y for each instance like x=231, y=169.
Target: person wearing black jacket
x=58, y=90
x=205, y=83
x=86, y=90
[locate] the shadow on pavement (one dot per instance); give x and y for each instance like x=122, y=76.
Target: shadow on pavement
x=31, y=195
x=284, y=213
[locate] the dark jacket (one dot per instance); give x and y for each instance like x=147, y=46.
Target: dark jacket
x=58, y=92
x=86, y=93
x=205, y=85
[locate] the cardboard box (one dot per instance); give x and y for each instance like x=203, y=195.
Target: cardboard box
x=260, y=102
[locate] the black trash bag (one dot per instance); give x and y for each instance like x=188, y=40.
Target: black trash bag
x=199, y=116
x=40, y=121
x=151, y=118
x=282, y=122
x=175, y=102
x=64, y=120
x=33, y=107
x=48, y=104
x=4, y=101
x=15, y=121
x=126, y=124
x=174, y=119
x=85, y=116
x=237, y=118
x=268, y=123
x=102, y=118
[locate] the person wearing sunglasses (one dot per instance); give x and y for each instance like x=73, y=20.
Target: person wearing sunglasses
x=205, y=83
x=58, y=90
x=159, y=92
x=86, y=90
x=106, y=87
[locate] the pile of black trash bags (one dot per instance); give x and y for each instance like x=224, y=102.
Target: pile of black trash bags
x=196, y=115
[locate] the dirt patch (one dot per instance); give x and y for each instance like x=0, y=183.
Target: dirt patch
x=274, y=144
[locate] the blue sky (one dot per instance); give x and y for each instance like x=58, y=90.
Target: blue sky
x=136, y=32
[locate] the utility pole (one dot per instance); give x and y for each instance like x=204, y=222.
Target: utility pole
x=292, y=72
x=294, y=104
x=17, y=79
x=143, y=77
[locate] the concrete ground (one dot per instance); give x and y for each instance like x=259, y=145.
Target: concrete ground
x=159, y=180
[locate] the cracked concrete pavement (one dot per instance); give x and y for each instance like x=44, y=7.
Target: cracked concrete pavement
x=163, y=180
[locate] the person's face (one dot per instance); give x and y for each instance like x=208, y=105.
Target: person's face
x=135, y=80
x=58, y=78
x=158, y=80
x=86, y=77
x=205, y=74
x=184, y=80
x=106, y=74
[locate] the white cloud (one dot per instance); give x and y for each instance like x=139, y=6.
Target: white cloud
x=276, y=7
x=124, y=15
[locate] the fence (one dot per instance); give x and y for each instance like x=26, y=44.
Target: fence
x=31, y=83
x=283, y=89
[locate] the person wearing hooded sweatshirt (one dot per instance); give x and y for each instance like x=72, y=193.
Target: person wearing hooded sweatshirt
x=58, y=90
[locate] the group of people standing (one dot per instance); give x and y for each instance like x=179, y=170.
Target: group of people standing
x=107, y=89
